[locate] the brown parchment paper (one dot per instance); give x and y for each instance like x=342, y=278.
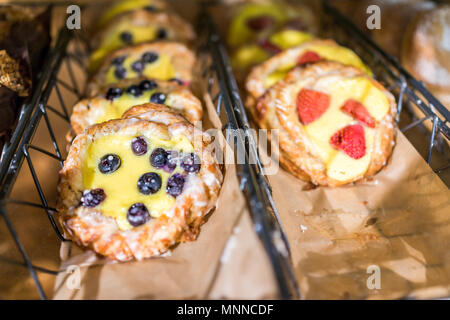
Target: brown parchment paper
x=398, y=222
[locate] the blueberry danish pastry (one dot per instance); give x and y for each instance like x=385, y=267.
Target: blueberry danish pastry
x=114, y=100
x=135, y=187
x=135, y=27
x=275, y=69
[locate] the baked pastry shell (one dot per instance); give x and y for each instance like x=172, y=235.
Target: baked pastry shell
x=88, y=227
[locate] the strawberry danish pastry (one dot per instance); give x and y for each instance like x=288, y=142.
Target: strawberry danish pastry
x=266, y=74
x=134, y=187
x=114, y=100
x=335, y=123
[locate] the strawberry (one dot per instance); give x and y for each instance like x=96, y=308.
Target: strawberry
x=311, y=105
x=308, y=57
x=358, y=112
x=269, y=46
x=350, y=139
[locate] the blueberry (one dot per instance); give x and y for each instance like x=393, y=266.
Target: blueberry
x=191, y=163
x=175, y=185
x=120, y=72
x=92, y=198
x=158, y=158
x=139, y=146
x=150, y=8
x=138, y=66
x=138, y=214
x=126, y=37
x=109, y=163
x=134, y=90
x=171, y=163
x=113, y=93
x=158, y=97
x=149, y=57
x=148, y=85
x=149, y=183
x=118, y=60
x=161, y=34
x=178, y=81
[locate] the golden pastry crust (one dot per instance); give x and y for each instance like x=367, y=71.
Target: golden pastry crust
x=276, y=109
x=108, y=38
x=178, y=97
x=89, y=227
x=180, y=58
x=255, y=85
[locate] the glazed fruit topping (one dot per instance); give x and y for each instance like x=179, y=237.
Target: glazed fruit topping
x=120, y=72
x=149, y=57
x=350, y=140
x=134, y=90
x=149, y=183
x=161, y=34
x=126, y=37
x=148, y=85
x=138, y=214
x=137, y=66
x=139, y=146
x=118, y=60
x=158, y=97
x=260, y=23
x=113, y=93
x=92, y=198
x=109, y=163
x=175, y=185
x=308, y=57
x=158, y=158
x=191, y=163
x=311, y=105
x=269, y=46
x=358, y=112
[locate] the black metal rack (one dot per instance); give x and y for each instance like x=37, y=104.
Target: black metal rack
x=228, y=104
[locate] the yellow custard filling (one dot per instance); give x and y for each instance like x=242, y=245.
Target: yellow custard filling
x=161, y=69
x=120, y=186
x=332, y=53
x=339, y=165
x=253, y=54
x=116, y=108
x=127, y=5
x=113, y=41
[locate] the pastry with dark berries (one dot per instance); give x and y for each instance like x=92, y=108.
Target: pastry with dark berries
x=136, y=27
x=335, y=123
x=115, y=99
x=134, y=187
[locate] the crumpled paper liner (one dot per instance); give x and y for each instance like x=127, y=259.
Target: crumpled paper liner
x=398, y=221
x=227, y=261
